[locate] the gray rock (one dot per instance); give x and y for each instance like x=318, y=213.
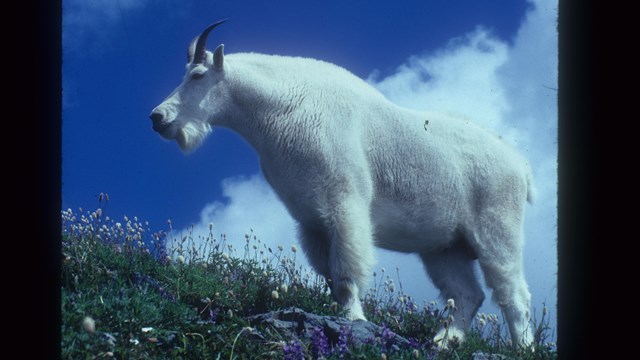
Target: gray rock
x=296, y=324
x=482, y=356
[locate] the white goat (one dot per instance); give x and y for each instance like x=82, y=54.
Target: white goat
x=355, y=170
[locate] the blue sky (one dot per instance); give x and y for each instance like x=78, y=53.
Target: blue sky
x=494, y=61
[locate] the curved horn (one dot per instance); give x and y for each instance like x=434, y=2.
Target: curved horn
x=196, y=50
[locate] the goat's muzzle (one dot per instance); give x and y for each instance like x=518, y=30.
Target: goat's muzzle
x=159, y=122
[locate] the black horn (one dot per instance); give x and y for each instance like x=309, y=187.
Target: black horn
x=196, y=51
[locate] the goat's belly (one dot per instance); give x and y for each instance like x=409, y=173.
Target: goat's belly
x=404, y=229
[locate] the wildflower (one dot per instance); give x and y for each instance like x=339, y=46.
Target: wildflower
x=392, y=287
x=88, y=324
x=343, y=341
x=98, y=212
x=334, y=306
x=118, y=225
x=280, y=247
x=210, y=226
x=294, y=248
x=293, y=351
x=383, y=356
x=387, y=334
x=451, y=304
x=225, y=257
x=416, y=354
x=146, y=329
x=181, y=259
x=230, y=313
x=213, y=314
x=319, y=343
x=274, y=295
x=284, y=288
x=481, y=322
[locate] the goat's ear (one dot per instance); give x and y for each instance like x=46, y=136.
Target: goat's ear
x=218, y=57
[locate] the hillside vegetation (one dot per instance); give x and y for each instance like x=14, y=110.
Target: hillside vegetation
x=125, y=296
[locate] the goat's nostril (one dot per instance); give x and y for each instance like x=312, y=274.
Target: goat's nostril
x=156, y=117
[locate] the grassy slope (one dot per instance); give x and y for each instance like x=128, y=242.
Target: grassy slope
x=192, y=303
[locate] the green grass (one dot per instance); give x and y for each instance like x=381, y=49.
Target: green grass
x=192, y=302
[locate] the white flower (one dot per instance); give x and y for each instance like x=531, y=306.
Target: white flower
x=146, y=329
x=181, y=259
x=88, y=324
x=284, y=288
x=275, y=295
x=451, y=304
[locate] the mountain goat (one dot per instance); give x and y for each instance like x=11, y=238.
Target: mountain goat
x=355, y=170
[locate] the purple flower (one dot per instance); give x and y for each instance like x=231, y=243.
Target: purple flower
x=387, y=334
x=319, y=343
x=213, y=314
x=293, y=351
x=343, y=341
x=414, y=343
x=386, y=337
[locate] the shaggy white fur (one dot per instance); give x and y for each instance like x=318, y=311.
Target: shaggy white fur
x=355, y=170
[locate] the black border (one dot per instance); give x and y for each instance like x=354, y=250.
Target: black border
x=576, y=157
x=40, y=300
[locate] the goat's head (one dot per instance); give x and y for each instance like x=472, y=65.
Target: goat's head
x=187, y=113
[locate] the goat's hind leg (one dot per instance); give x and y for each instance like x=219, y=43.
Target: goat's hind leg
x=452, y=272
x=501, y=260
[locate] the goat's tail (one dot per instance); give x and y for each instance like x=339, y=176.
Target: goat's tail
x=531, y=190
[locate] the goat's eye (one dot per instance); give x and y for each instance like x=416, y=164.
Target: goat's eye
x=197, y=75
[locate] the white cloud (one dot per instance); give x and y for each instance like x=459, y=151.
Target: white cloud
x=250, y=205
x=504, y=87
